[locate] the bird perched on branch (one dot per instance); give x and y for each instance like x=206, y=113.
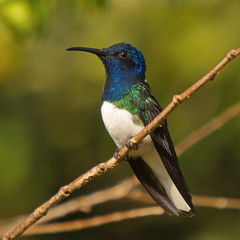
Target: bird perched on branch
x=127, y=106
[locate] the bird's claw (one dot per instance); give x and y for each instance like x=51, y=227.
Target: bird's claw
x=131, y=145
x=115, y=155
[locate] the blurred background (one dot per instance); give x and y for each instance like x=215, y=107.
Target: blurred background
x=50, y=124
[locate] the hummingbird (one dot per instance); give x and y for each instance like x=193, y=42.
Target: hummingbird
x=127, y=106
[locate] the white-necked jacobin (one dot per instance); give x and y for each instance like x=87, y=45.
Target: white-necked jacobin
x=127, y=106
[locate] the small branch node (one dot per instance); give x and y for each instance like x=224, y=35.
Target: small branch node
x=213, y=76
x=64, y=191
x=177, y=99
x=40, y=212
x=101, y=168
x=232, y=54
x=86, y=180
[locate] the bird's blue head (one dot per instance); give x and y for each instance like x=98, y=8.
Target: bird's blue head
x=125, y=66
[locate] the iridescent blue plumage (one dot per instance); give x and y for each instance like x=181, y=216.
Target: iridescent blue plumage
x=121, y=71
x=128, y=105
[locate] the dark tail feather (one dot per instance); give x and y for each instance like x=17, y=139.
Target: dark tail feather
x=146, y=176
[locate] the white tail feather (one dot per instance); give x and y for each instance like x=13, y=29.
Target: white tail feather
x=155, y=163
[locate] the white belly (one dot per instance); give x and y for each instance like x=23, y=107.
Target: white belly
x=120, y=125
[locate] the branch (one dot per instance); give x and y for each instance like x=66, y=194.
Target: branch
x=79, y=204
x=94, y=221
x=87, y=202
x=202, y=201
x=208, y=128
x=216, y=202
x=111, y=163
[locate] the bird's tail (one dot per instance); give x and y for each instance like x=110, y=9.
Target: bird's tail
x=160, y=186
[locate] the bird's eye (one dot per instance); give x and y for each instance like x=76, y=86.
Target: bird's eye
x=123, y=55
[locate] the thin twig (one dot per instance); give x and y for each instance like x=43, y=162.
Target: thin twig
x=201, y=201
x=94, y=221
x=208, y=128
x=82, y=203
x=103, y=167
x=63, y=192
x=86, y=203
x=216, y=202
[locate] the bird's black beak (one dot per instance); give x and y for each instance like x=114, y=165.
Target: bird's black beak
x=98, y=52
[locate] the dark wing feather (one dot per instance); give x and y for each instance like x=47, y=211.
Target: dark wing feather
x=148, y=110
x=146, y=176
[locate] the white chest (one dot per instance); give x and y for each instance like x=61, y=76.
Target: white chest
x=119, y=123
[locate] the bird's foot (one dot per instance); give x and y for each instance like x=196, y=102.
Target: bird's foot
x=115, y=155
x=131, y=145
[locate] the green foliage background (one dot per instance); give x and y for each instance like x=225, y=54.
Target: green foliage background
x=50, y=124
